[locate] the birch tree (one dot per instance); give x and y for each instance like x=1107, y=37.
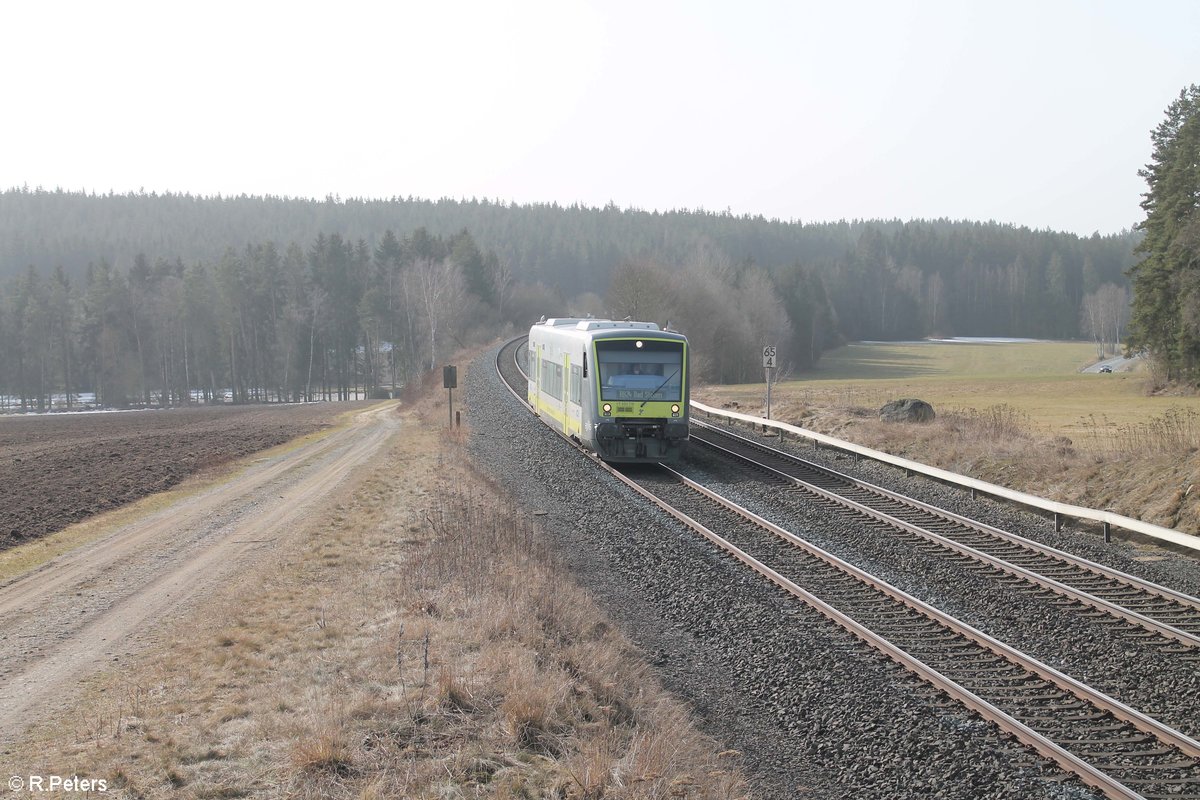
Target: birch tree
x=438, y=287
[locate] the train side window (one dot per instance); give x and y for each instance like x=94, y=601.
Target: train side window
x=576, y=384
x=552, y=379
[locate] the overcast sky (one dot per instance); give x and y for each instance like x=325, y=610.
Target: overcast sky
x=1032, y=113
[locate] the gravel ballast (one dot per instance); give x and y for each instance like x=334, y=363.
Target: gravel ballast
x=1097, y=650
x=814, y=712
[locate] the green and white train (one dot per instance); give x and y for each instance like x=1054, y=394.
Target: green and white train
x=619, y=388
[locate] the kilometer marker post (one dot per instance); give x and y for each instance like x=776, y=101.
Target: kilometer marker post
x=768, y=365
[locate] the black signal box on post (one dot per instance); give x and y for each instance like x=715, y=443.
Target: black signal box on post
x=450, y=381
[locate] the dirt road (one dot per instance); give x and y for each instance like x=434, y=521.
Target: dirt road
x=98, y=604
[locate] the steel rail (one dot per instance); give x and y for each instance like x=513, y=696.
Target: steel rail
x=1042, y=549
x=1090, y=600
x=1006, y=722
x=1025, y=734
x=1065, y=682
x=516, y=363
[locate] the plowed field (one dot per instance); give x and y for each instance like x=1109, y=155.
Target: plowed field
x=56, y=470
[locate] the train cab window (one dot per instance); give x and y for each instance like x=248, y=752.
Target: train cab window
x=640, y=370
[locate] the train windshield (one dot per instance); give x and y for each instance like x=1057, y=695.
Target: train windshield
x=640, y=370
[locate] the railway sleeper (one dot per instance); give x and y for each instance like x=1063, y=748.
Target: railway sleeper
x=1114, y=725
x=983, y=659
x=1024, y=690
x=1175, y=767
x=1149, y=636
x=1006, y=671
x=1160, y=781
x=1121, y=738
x=1090, y=717
x=986, y=683
x=1094, y=613
x=960, y=647
x=1127, y=753
x=1033, y=706
x=1150, y=605
x=1056, y=570
x=906, y=620
x=1170, y=795
x=1111, y=751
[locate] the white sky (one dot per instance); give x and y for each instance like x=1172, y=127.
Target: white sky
x=1032, y=113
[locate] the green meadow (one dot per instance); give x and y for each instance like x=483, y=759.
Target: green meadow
x=1039, y=381
x=953, y=360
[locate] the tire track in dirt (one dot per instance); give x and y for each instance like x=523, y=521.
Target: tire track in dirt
x=77, y=614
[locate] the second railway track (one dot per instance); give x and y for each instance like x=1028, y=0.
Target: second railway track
x=1109, y=745
x=1172, y=616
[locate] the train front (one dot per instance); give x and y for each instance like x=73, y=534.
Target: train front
x=641, y=413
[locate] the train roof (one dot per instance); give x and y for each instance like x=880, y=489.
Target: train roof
x=593, y=324
x=589, y=328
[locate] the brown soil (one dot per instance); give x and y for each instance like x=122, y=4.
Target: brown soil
x=360, y=616
x=100, y=602
x=60, y=469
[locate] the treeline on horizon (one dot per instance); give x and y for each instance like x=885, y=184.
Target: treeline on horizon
x=150, y=298
x=335, y=320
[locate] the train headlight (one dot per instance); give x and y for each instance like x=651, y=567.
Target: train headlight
x=638, y=344
x=606, y=408
x=675, y=409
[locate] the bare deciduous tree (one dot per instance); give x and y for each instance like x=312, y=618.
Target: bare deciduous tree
x=760, y=306
x=438, y=286
x=1104, y=315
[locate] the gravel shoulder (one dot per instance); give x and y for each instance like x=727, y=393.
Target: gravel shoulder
x=102, y=602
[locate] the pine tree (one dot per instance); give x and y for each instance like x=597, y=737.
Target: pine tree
x=1166, y=283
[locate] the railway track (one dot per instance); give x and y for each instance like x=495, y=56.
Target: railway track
x=1172, y=617
x=1108, y=745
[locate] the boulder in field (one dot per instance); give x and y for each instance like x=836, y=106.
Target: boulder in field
x=907, y=410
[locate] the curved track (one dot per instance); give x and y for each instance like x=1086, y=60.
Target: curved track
x=1108, y=745
x=1172, y=616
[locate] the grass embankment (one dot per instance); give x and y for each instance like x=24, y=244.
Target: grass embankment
x=420, y=641
x=1017, y=414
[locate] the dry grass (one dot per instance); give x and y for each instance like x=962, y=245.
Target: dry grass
x=1142, y=470
x=420, y=640
x=1175, y=432
x=1019, y=415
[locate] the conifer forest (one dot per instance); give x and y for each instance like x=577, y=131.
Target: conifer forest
x=148, y=299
